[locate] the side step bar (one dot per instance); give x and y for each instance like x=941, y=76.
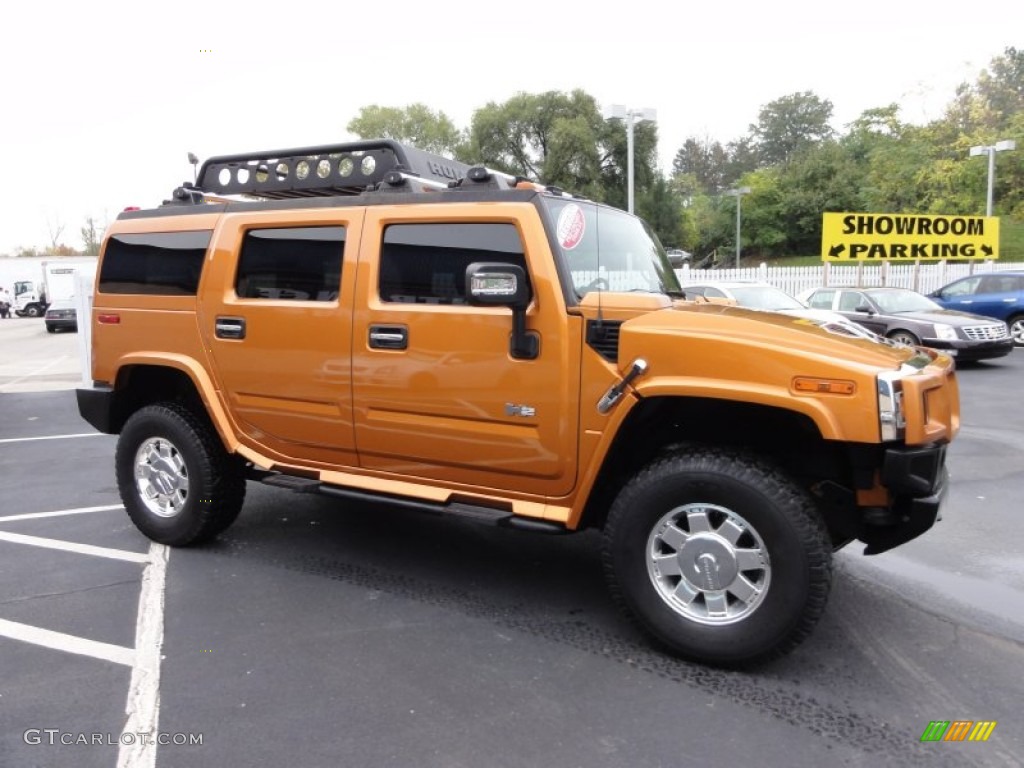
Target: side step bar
x=472, y=512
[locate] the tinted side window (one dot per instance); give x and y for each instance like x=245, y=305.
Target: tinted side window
x=963, y=288
x=296, y=263
x=850, y=300
x=426, y=263
x=821, y=299
x=167, y=263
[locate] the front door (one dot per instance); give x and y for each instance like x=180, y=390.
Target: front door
x=438, y=393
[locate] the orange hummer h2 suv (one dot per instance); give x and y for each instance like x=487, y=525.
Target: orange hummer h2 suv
x=369, y=321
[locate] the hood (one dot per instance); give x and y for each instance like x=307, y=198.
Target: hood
x=948, y=316
x=752, y=338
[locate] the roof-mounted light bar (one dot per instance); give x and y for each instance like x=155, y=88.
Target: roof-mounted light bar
x=337, y=169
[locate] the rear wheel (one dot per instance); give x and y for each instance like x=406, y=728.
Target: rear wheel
x=718, y=556
x=177, y=482
x=1016, y=326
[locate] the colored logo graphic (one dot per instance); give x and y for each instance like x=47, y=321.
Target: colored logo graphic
x=958, y=730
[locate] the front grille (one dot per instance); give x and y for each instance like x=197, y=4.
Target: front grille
x=992, y=332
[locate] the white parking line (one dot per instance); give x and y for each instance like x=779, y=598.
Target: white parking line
x=52, y=437
x=71, y=546
x=70, y=643
x=59, y=513
x=143, y=706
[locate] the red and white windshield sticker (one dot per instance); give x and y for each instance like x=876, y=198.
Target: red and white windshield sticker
x=571, y=224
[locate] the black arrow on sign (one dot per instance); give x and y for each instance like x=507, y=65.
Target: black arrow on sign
x=836, y=250
x=987, y=250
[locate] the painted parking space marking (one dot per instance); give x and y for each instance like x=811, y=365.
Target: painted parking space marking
x=69, y=643
x=142, y=708
x=51, y=437
x=59, y=513
x=71, y=546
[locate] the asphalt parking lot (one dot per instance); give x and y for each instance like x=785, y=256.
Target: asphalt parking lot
x=319, y=634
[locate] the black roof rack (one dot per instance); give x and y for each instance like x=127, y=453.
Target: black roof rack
x=325, y=171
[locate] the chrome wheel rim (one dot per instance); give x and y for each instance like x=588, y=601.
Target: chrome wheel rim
x=708, y=564
x=1017, y=331
x=161, y=477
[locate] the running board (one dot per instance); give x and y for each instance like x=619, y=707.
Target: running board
x=472, y=512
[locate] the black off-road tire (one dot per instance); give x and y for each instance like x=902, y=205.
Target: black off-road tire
x=734, y=496
x=168, y=447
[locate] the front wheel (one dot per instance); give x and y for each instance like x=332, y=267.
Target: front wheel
x=719, y=556
x=904, y=338
x=1016, y=326
x=178, y=484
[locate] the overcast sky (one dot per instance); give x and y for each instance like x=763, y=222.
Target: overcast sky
x=103, y=101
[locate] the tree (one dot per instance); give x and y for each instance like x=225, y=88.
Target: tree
x=789, y=125
x=705, y=160
x=659, y=205
x=415, y=124
x=90, y=237
x=561, y=139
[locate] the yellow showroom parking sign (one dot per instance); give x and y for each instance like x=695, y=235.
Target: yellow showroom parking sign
x=908, y=237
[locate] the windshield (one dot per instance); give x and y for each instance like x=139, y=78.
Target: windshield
x=902, y=301
x=764, y=297
x=609, y=250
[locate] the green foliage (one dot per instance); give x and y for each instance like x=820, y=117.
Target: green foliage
x=415, y=124
x=791, y=125
x=1011, y=240
x=561, y=139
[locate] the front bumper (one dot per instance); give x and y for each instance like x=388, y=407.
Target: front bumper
x=916, y=481
x=913, y=515
x=972, y=350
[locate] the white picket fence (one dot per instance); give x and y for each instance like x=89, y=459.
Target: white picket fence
x=923, y=277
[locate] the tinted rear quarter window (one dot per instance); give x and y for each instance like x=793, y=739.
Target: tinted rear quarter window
x=155, y=263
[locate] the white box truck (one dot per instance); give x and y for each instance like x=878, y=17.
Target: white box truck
x=32, y=297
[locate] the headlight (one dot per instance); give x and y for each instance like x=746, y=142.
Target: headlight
x=945, y=332
x=892, y=422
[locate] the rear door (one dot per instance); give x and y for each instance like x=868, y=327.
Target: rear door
x=276, y=318
x=437, y=393
x=999, y=296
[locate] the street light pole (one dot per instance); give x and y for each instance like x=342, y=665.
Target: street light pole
x=738, y=194
x=999, y=146
x=631, y=116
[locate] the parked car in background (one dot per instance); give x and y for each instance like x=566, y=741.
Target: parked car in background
x=907, y=317
x=993, y=294
x=677, y=257
x=764, y=296
x=61, y=316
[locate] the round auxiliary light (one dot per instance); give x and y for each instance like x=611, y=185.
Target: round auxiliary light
x=346, y=166
x=323, y=169
x=368, y=164
x=302, y=170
